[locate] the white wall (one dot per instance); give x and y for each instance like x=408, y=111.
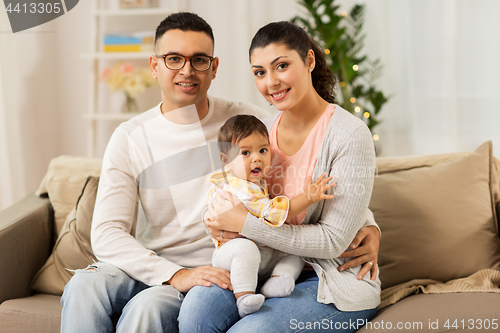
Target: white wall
x=440, y=57
x=30, y=113
x=441, y=68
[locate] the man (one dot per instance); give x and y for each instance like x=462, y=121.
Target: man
x=161, y=157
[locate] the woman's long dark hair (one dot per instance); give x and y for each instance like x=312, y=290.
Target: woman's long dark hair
x=296, y=38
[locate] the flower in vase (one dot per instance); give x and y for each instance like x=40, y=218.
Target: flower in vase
x=134, y=85
x=131, y=79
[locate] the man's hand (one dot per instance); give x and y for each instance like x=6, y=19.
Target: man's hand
x=364, y=251
x=185, y=279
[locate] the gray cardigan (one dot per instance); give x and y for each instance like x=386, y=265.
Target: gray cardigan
x=347, y=154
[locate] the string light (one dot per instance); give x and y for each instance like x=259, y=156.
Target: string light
x=375, y=137
x=355, y=67
x=366, y=114
x=327, y=51
x=353, y=100
x=357, y=109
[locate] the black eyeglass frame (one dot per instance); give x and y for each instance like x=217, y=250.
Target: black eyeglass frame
x=164, y=56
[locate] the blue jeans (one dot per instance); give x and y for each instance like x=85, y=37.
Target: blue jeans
x=212, y=309
x=101, y=291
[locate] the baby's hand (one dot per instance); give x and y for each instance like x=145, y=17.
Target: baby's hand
x=316, y=191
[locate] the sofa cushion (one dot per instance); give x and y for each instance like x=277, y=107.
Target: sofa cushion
x=72, y=249
x=431, y=313
x=63, y=183
x=437, y=216
x=39, y=313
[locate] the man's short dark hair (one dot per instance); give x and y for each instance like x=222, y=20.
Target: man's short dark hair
x=238, y=128
x=184, y=21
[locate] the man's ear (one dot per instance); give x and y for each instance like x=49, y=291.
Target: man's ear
x=153, y=66
x=215, y=65
x=224, y=160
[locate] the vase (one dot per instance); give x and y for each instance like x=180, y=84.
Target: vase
x=130, y=105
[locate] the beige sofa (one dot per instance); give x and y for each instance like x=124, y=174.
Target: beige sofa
x=439, y=254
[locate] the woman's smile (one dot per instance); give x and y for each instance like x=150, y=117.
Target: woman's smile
x=280, y=94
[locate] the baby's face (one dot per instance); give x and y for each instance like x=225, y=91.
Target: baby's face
x=253, y=159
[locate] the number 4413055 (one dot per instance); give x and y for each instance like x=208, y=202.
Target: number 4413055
x=33, y=8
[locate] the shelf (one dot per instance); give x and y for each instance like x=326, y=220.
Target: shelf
x=110, y=116
x=107, y=19
x=134, y=12
x=117, y=55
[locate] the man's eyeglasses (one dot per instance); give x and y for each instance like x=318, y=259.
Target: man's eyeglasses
x=200, y=63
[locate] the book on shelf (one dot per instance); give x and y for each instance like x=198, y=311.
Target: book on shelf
x=134, y=42
x=138, y=3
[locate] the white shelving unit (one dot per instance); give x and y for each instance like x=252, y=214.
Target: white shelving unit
x=108, y=17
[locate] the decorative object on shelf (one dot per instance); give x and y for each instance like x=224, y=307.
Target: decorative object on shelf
x=132, y=80
x=138, y=3
x=340, y=36
x=130, y=105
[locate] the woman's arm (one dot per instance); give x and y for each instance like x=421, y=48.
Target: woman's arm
x=351, y=162
x=363, y=249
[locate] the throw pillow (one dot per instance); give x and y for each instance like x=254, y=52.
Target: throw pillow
x=437, y=215
x=72, y=249
x=63, y=183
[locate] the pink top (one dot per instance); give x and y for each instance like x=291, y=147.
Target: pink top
x=288, y=174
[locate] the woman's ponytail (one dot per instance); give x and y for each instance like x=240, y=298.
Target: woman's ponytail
x=322, y=76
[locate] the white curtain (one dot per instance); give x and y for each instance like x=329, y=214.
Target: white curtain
x=442, y=67
x=12, y=185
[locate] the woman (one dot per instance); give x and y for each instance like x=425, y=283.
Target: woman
x=311, y=136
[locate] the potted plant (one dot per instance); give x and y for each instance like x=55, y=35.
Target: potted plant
x=340, y=35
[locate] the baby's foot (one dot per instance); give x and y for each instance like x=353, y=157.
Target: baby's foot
x=278, y=286
x=249, y=303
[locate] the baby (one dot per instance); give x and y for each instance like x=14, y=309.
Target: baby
x=245, y=153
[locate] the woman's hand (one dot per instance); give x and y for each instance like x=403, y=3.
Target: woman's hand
x=226, y=216
x=364, y=250
x=220, y=235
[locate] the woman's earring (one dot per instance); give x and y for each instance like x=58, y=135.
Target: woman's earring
x=310, y=70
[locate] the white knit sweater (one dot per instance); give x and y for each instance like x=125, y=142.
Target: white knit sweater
x=347, y=154
x=167, y=166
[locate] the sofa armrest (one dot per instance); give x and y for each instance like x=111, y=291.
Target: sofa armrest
x=26, y=230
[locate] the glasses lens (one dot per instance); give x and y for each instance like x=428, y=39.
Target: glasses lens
x=200, y=63
x=174, y=61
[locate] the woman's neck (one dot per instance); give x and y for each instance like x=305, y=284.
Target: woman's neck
x=305, y=113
